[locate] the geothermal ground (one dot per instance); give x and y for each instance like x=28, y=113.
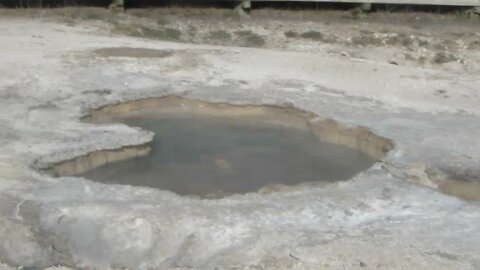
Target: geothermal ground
x=410, y=77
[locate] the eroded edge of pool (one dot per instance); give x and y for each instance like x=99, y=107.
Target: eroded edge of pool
x=326, y=130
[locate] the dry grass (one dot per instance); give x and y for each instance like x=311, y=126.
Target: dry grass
x=367, y=39
x=138, y=30
x=313, y=35
x=291, y=34
x=68, y=15
x=219, y=35
x=223, y=27
x=444, y=57
x=250, y=39
x=184, y=12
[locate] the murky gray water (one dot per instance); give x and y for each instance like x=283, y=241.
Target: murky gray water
x=199, y=155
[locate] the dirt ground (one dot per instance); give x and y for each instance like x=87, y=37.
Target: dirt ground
x=450, y=40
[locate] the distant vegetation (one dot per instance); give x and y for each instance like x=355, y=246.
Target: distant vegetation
x=250, y=39
x=53, y=3
x=292, y=5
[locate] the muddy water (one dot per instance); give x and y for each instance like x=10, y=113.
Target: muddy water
x=215, y=156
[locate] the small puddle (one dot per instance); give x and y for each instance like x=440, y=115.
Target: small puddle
x=214, y=150
x=133, y=52
x=467, y=190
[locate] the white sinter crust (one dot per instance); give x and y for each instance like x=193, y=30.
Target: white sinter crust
x=50, y=77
